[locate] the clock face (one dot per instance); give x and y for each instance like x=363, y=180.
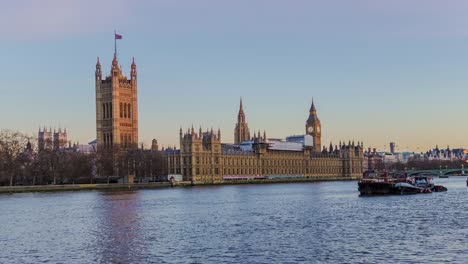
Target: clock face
x=310, y=129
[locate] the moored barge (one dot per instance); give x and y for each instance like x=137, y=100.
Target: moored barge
x=403, y=185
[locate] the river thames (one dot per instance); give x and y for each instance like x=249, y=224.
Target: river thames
x=323, y=222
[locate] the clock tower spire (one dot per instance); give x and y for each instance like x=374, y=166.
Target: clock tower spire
x=313, y=128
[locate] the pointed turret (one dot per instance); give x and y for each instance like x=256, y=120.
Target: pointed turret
x=133, y=72
x=115, y=71
x=312, y=107
x=241, y=132
x=98, y=70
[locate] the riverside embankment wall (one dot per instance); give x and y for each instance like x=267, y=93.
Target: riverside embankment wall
x=138, y=186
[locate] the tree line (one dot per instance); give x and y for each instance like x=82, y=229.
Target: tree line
x=417, y=164
x=22, y=163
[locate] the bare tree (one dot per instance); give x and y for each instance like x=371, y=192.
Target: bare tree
x=12, y=146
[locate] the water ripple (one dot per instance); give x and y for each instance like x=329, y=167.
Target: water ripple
x=278, y=223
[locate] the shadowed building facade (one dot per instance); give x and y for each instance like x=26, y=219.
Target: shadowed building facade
x=116, y=107
x=202, y=157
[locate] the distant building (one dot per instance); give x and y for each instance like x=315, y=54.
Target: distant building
x=60, y=139
x=45, y=139
x=85, y=148
x=154, y=145
x=48, y=139
x=307, y=140
x=392, y=147
x=372, y=160
x=202, y=157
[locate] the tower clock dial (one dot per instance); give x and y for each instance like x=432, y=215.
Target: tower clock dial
x=310, y=129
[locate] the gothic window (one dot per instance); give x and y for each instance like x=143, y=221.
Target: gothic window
x=125, y=110
x=103, y=111
x=128, y=113
x=121, y=111
x=110, y=110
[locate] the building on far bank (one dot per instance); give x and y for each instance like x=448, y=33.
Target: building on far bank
x=203, y=158
x=48, y=139
x=116, y=106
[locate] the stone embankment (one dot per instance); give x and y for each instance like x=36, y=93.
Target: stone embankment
x=138, y=186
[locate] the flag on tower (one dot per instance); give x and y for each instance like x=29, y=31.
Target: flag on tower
x=117, y=36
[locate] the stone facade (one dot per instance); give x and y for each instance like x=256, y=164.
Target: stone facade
x=314, y=128
x=48, y=139
x=116, y=107
x=241, y=132
x=202, y=157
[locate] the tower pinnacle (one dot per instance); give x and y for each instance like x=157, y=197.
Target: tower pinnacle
x=241, y=132
x=312, y=106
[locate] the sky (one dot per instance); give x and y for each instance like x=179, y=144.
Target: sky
x=379, y=71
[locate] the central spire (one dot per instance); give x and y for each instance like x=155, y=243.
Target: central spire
x=312, y=107
x=241, y=115
x=241, y=132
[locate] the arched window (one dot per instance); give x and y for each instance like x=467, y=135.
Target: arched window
x=103, y=111
x=110, y=112
x=125, y=110
x=121, y=111
x=128, y=105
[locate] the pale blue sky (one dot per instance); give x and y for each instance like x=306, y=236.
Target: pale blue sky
x=379, y=71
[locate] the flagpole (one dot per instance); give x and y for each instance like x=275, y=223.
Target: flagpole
x=115, y=44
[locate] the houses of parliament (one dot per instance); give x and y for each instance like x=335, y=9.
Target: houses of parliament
x=202, y=157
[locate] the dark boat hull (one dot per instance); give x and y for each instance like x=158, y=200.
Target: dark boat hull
x=407, y=189
x=375, y=188
x=439, y=188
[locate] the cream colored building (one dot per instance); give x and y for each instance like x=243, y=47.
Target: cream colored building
x=202, y=157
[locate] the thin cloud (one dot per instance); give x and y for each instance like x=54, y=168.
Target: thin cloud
x=53, y=18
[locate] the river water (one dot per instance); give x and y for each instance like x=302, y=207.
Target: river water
x=273, y=223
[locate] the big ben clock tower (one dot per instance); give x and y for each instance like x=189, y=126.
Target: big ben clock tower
x=313, y=128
